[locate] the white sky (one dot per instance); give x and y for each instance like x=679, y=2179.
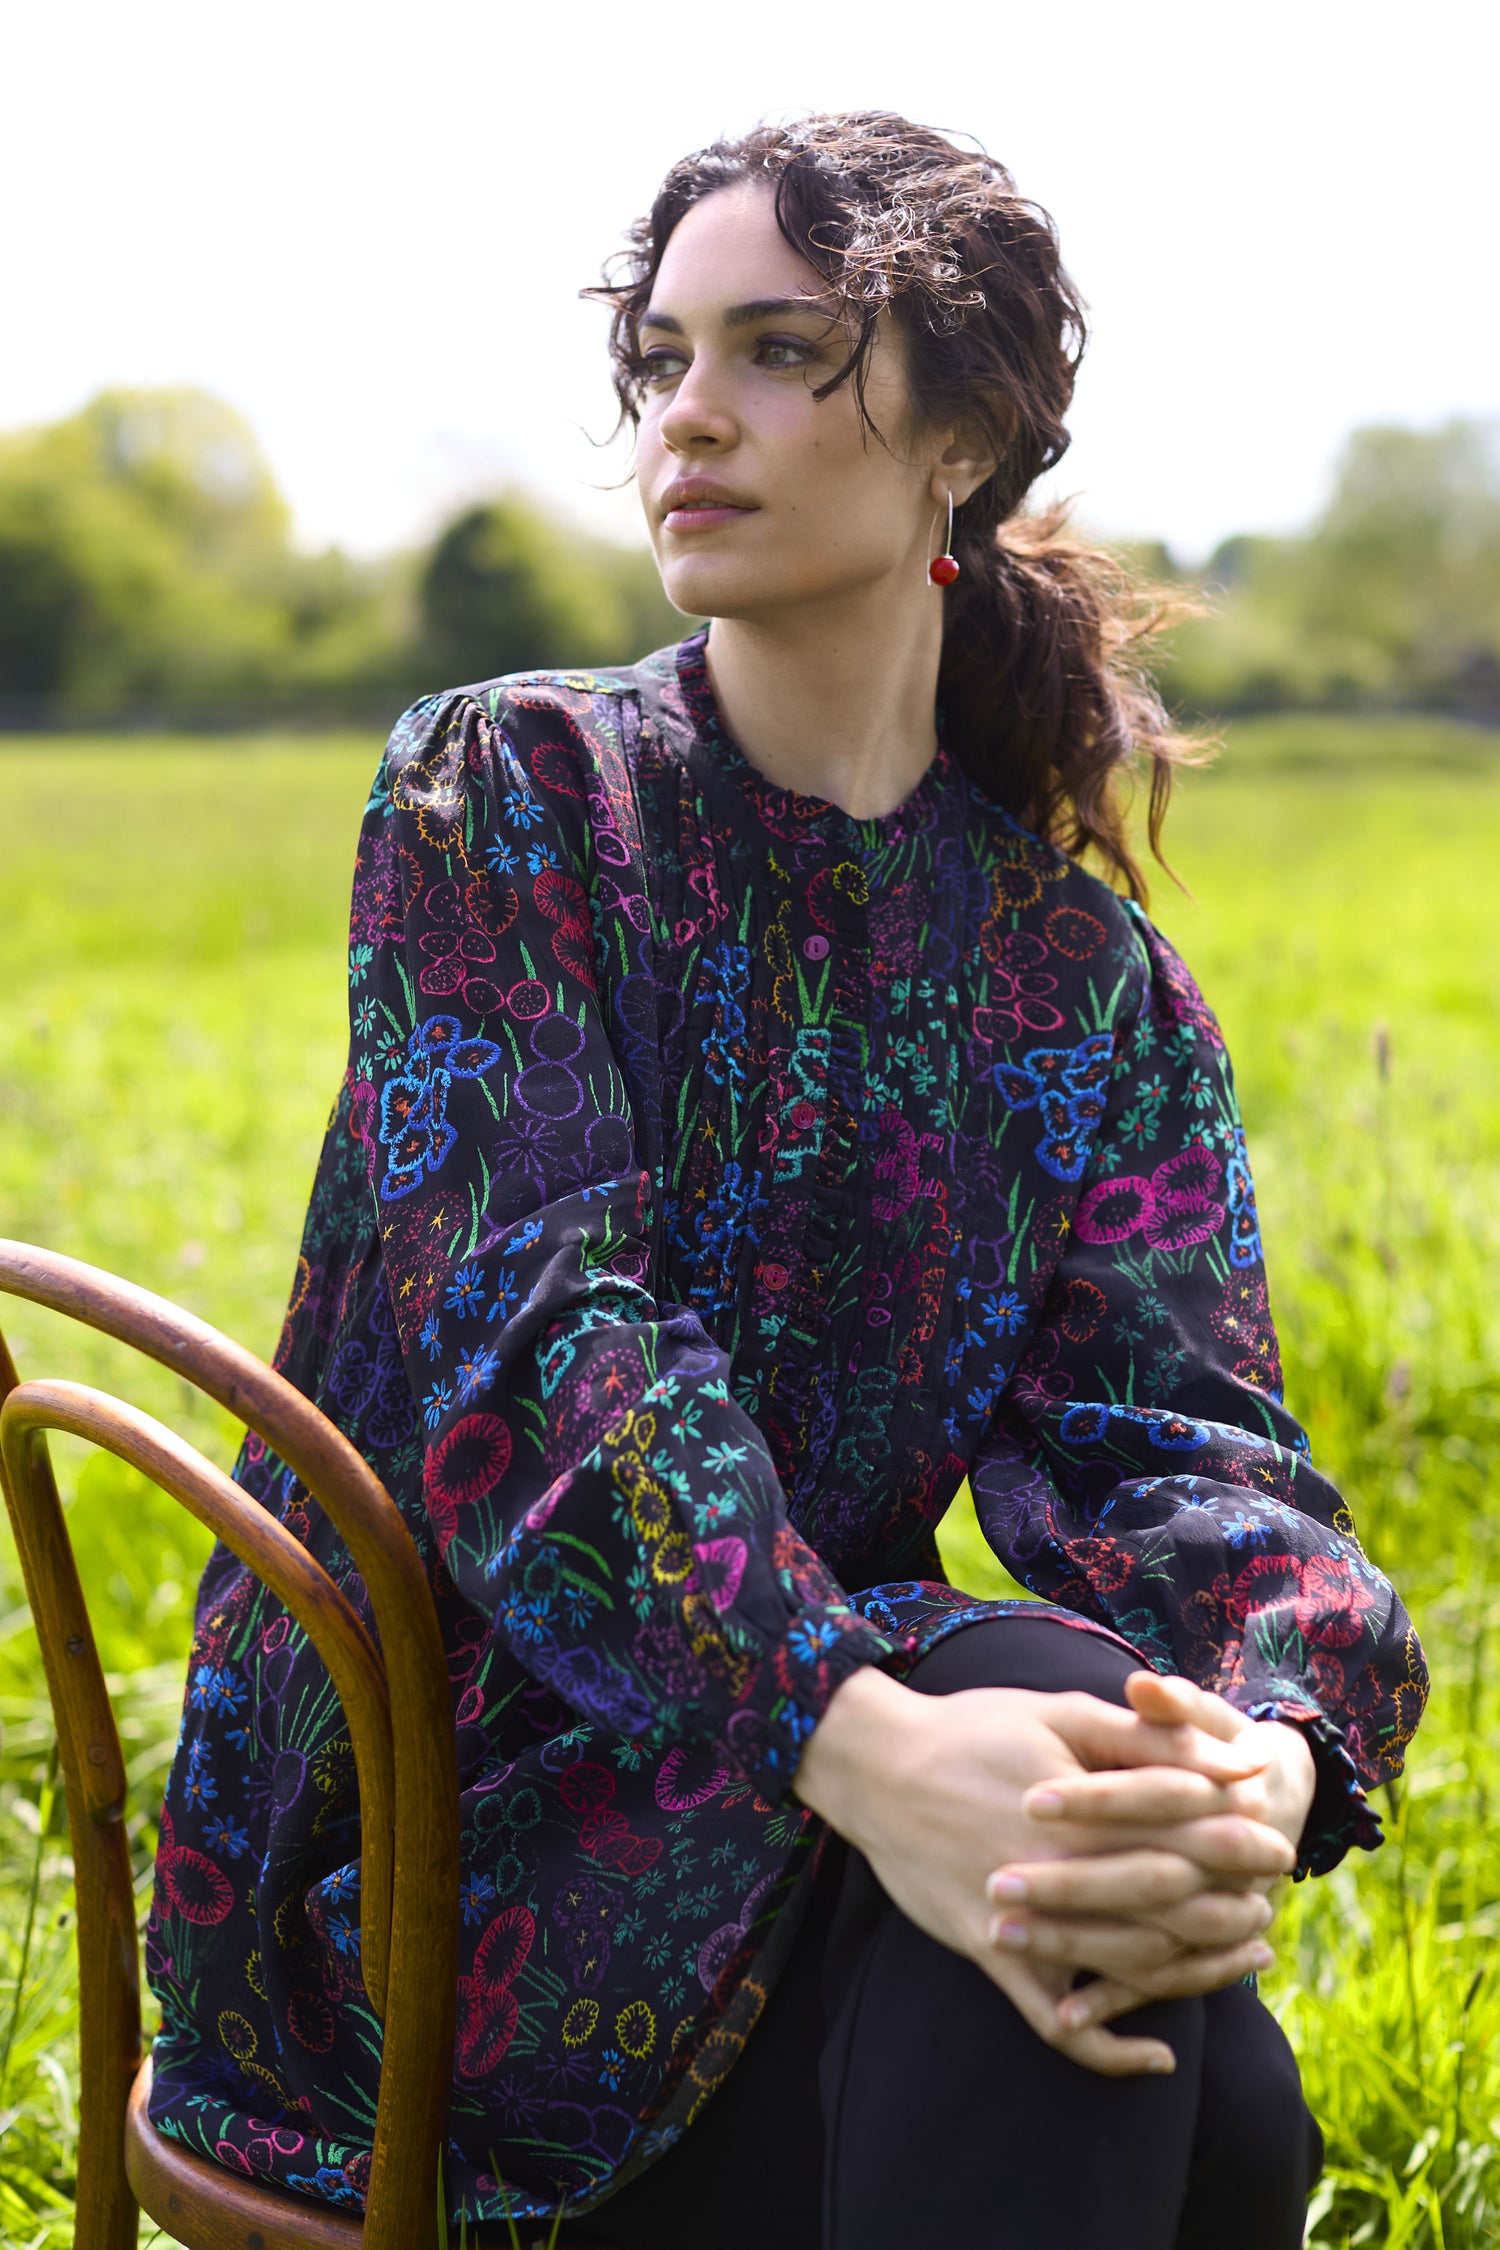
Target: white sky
x=365, y=225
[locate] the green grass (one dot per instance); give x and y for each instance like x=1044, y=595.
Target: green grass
x=171, y=1035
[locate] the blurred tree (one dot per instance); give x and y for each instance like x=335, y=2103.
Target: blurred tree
x=146, y=566
x=1392, y=598
x=506, y=589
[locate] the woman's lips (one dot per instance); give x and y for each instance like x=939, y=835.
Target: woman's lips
x=703, y=515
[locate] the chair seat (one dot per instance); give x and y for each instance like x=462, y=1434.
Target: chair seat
x=205, y=2206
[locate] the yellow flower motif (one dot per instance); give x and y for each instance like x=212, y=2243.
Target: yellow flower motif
x=237, y=2035
x=673, y=1559
x=650, y=1510
x=580, y=2023
x=635, y=2030
x=255, y=1975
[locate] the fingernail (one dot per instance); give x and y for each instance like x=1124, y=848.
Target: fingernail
x=1044, y=1804
x=1016, y=1935
x=1261, y=1957
x=1074, y=2013
x=1008, y=1886
x=1161, y=2066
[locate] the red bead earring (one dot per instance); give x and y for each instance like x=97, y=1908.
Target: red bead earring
x=945, y=567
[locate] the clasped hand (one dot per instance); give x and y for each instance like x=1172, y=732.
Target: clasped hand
x=1049, y=1835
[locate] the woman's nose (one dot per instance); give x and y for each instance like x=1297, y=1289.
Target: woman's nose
x=698, y=414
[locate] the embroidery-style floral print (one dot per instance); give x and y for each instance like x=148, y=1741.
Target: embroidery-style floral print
x=715, y=1182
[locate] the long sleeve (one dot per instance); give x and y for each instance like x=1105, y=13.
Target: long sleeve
x=1143, y=1469
x=591, y=1484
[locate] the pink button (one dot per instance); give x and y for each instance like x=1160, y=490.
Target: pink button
x=815, y=947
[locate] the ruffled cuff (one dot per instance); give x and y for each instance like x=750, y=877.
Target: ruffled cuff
x=793, y=1685
x=1340, y=1815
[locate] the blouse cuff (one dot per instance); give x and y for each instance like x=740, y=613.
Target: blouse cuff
x=1340, y=1815
x=792, y=1687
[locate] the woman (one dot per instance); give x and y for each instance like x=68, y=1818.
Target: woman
x=756, y=1122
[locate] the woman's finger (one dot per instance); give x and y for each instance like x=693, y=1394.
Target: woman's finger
x=1228, y=1845
x=1186, y=1977
x=1157, y=1796
x=1087, y=2043
x=1108, y=1946
x=1214, y=1918
x=1101, y=1734
x=1166, y=1699
x=1132, y=1884
x=1213, y=1922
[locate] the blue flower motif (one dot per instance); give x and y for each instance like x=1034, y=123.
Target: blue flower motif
x=1244, y=1236
x=1005, y=1312
x=465, y=1292
x=1067, y=1085
x=215, y=1688
x=436, y=1404
x=475, y=1897
x=223, y=1836
x=475, y=1372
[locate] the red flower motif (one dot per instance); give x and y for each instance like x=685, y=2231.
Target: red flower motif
x=200, y=1891
x=573, y=948
x=1075, y=934
x=1332, y=1602
x=463, y=1466
x=586, y=1786
x=310, y=2022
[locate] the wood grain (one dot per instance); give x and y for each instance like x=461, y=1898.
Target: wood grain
x=421, y=1976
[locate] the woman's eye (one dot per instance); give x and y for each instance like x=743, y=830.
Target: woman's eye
x=785, y=351
x=661, y=367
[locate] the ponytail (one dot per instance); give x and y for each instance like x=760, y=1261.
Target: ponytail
x=1047, y=700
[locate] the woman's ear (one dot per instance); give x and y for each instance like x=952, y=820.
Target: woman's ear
x=968, y=458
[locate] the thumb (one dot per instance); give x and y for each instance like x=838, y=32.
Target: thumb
x=1165, y=1700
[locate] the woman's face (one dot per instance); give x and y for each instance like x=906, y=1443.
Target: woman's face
x=757, y=494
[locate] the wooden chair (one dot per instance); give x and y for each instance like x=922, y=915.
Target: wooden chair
x=397, y=1704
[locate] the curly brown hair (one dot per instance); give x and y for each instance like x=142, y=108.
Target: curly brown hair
x=1044, y=686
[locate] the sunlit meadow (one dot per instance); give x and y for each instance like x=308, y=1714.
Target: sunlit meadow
x=171, y=1013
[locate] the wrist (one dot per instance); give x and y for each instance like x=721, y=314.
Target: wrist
x=1299, y=1776
x=860, y=1747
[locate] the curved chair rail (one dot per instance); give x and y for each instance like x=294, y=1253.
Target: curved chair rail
x=198, y=2202
x=421, y=1971
x=265, y=1545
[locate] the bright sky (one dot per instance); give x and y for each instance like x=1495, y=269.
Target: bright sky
x=365, y=224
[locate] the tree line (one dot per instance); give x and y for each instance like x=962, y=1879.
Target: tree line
x=148, y=573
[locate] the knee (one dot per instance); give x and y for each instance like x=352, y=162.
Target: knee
x=1257, y=2143
x=1040, y=1653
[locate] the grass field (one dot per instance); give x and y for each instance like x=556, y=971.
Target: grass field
x=171, y=1027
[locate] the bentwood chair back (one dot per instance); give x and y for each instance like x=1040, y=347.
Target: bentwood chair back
x=407, y=1772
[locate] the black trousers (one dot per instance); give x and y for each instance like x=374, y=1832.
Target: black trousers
x=891, y=2095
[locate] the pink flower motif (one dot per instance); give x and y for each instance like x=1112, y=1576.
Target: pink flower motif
x=1196, y=1172
x=1180, y=1222
x=1113, y=1210
x=721, y=1564
x=1177, y=1208
x=687, y=1778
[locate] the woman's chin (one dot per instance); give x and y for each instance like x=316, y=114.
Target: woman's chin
x=713, y=586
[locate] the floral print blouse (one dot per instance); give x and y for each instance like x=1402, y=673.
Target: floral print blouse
x=716, y=1181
